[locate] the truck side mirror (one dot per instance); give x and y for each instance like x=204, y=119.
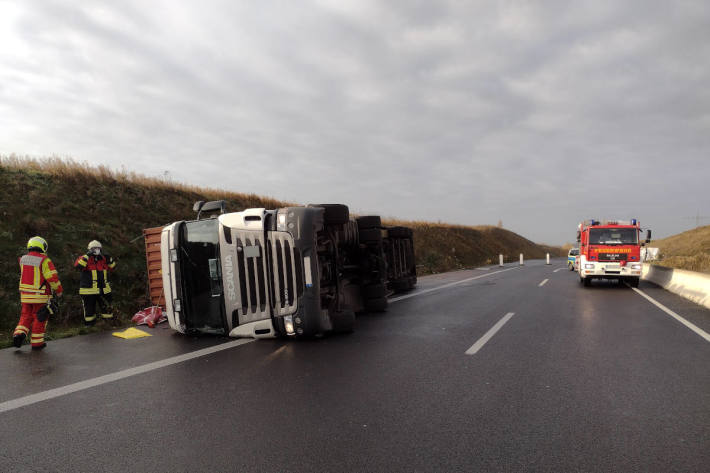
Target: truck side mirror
x=579, y=237
x=211, y=206
x=198, y=205
x=648, y=236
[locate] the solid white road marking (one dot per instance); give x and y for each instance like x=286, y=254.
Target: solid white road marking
x=558, y=269
x=444, y=286
x=489, y=334
x=483, y=269
x=680, y=319
x=543, y=283
x=111, y=377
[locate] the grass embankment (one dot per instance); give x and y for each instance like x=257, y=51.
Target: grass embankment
x=70, y=204
x=688, y=250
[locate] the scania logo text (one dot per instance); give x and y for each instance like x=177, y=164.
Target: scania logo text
x=229, y=273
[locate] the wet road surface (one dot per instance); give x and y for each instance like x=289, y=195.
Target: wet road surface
x=576, y=379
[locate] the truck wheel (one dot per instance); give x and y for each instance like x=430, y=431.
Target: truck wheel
x=587, y=282
x=399, y=232
x=402, y=285
x=634, y=282
x=334, y=214
x=343, y=321
x=375, y=305
x=374, y=291
x=369, y=221
x=371, y=235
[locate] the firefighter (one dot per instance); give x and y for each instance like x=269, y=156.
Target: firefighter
x=94, y=285
x=38, y=279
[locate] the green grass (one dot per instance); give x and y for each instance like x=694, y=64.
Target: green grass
x=70, y=204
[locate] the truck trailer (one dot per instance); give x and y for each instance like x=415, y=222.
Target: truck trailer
x=610, y=250
x=288, y=272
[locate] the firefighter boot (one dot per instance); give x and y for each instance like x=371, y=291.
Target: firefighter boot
x=18, y=339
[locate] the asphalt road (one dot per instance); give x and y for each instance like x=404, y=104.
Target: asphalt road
x=577, y=379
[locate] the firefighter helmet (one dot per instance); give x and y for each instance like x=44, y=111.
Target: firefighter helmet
x=94, y=244
x=37, y=243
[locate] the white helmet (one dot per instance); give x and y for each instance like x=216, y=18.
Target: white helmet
x=94, y=244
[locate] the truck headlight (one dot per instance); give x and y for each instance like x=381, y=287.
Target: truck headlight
x=636, y=266
x=288, y=324
x=588, y=266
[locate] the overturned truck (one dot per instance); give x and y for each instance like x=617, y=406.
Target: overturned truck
x=294, y=271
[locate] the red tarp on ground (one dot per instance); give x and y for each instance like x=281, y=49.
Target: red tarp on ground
x=150, y=316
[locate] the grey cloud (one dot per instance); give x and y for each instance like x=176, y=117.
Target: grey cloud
x=464, y=112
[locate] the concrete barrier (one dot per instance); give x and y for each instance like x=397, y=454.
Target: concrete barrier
x=689, y=284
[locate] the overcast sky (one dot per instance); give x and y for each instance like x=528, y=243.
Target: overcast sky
x=536, y=113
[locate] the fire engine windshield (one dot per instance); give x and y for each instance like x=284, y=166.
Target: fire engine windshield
x=613, y=236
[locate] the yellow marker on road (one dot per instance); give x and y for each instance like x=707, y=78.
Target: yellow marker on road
x=130, y=333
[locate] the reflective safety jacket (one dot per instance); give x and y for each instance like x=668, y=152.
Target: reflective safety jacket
x=38, y=278
x=94, y=273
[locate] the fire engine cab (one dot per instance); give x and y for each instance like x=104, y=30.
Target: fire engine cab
x=610, y=250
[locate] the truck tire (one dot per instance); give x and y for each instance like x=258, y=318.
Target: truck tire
x=399, y=232
x=371, y=235
x=587, y=282
x=343, y=321
x=334, y=214
x=374, y=291
x=375, y=305
x=402, y=285
x=633, y=282
x=369, y=221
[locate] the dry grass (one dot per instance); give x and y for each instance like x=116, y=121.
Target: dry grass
x=69, y=170
x=688, y=250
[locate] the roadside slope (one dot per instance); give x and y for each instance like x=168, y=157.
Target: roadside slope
x=688, y=250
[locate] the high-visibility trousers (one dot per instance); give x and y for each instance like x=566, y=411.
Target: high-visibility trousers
x=29, y=323
x=90, y=301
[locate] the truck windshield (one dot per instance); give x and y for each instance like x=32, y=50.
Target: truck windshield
x=613, y=236
x=201, y=278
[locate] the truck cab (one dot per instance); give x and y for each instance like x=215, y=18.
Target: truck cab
x=610, y=250
x=295, y=271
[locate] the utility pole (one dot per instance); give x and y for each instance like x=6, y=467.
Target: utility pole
x=698, y=218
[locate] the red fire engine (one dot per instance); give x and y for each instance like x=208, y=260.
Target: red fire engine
x=610, y=250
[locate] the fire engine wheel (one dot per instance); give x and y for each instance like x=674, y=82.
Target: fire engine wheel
x=587, y=282
x=369, y=221
x=343, y=321
x=370, y=235
x=633, y=282
x=399, y=232
x=334, y=214
x=376, y=305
